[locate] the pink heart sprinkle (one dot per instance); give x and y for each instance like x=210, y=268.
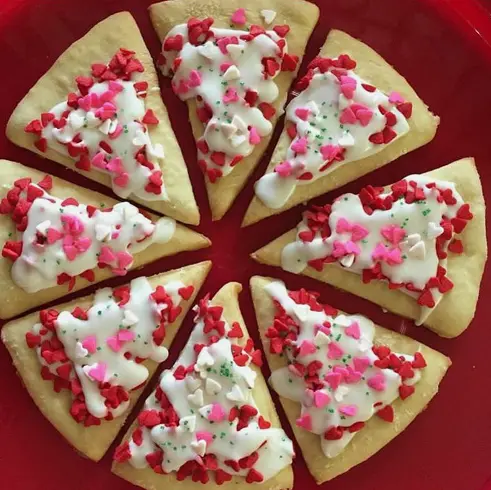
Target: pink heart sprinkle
x=85, y=103
x=115, y=86
x=394, y=257
x=300, y=145
x=114, y=344
x=349, y=410
x=354, y=331
x=126, y=335
x=352, y=248
x=361, y=363
x=115, y=165
x=53, y=235
x=83, y=244
x=204, y=435
x=343, y=226
x=95, y=101
x=302, y=113
x=106, y=255
x=230, y=96
x=194, y=78
x=364, y=116
x=98, y=373
x=379, y=252
x=347, y=116
x=321, y=399
x=341, y=370
x=305, y=421
x=99, y=160
x=107, y=96
x=122, y=180
x=107, y=111
x=284, y=169
x=223, y=42
x=377, y=382
x=393, y=233
x=345, y=79
x=307, y=347
x=330, y=152
x=338, y=249
x=254, y=138
x=72, y=224
x=90, y=343
x=355, y=107
x=348, y=90
x=181, y=88
x=333, y=379
x=225, y=66
x=217, y=413
x=124, y=259
x=71, y=251
x=358, y=232
x=334, y=351
x=396, y=98
x=308, y=398
x=239, y=17
x=352, y=376
x=322, y=328
x=116, y=133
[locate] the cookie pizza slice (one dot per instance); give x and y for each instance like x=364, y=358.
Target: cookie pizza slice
x=85, y=363
x=59, y=237
x=352, y=114
x=98, y=110
x=233, y=63
x=211, y=418
x=416, y=248
x=348, y=386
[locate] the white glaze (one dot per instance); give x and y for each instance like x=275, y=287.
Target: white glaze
x=38, y=266
x=105, y=320
x=323, y=97
x=358, y=393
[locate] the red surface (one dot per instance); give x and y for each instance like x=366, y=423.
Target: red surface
x=446, y=448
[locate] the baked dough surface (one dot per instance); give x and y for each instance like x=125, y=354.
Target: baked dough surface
x=375, y=70
x=457, y=307
x=227, y=297
x=300, y=15
x=93, y=441
x=14, y=299
x=99, y=45
x=376, y=433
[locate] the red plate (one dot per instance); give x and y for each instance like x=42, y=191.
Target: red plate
x=440, y=46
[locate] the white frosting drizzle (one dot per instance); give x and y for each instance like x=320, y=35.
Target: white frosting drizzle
x=96, y=347
x=203, y=400
x=322, y=133
x=121, y=127
x=218, y=73
x=66, y=240
x=348, y=398
x=402, y=239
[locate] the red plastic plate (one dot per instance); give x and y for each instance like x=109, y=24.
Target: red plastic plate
x=443, y=48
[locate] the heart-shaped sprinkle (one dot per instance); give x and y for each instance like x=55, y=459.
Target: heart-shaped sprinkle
x=306, y=348
x=96, y=372
x=361, y=363
x=239, y=17
x=302, y=113
x=354, y=330
x=90, y=343
x=114, y=344
x=106, y=255
x=268, y=16
x=405, y=391
x=386, y=413
x=196, y=398
x=396, y=98
x=194, y=78
x=347, y=116
x=204, y=435
x=305, y=422
x=217, y=413
x=53, y=235
x=377, y=382
x=321, y=399
x=122, y=180
x=334, y=351
x=364, y=116
x=393, y=233
x=348, y=410
x=284, y=169
x=300, y=146
x=333, y=379
x=126, y=335
x=254, y=138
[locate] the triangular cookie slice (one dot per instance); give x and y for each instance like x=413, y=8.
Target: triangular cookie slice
x=59, y=237
x=211, y=418
x=348, y=386
x=85, y=363
x=353, y=114
x=234, y=67
x=416, y=248
x=98, y=110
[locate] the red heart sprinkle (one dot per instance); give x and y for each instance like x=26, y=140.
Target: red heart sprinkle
x=386, y=413
x=150, y=117
x=281, y=30
x=235, y=332
x=419, y=361
x=405, y=391
x=254, y=476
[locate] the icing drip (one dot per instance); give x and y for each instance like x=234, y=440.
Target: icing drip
x=104, y=126
x=203, y=417
x=334, y=371
x=336, y=119
x=402, y=236
x=60, y=239
x=97, y=353
x=230, y=73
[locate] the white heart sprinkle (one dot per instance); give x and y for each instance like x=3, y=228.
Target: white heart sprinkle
x=63, y=135
x=343, y=321
x=192, y=383
x=235, y=51
x=434, y=230
x=250, y=377
x=155, y=151
x=228, y=129
x=207, y=50
x=321, y=338
x=199, y=447
x=301, y=312
x=237, y=140
x=212, y=387
x=141, y=138
x=268, y=15
x=346, y=140
x=102, y=232
x=80, y=351
x=235, y=394
x=205, y=359
x=413, y=239
x=92, y=120
x=347, y=260
x=129, y=318
x=232, y=73
x=76, y=121
x=340, y=393
x=196, y=398
x=418, y=251
x=105, y=126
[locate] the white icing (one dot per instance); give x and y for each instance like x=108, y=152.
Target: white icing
x=200, y=75
x=325, y=101
x=417, y=251
x=105, y=330
x=131, y=178
x=123, y=229
x=193, y=399
x=356, y=394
